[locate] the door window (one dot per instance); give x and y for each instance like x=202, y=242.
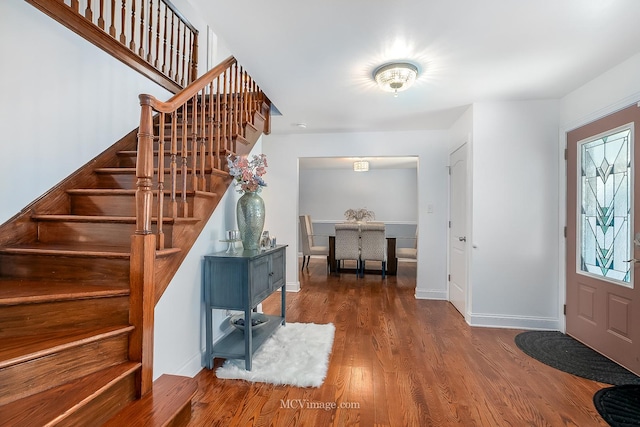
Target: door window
x=604, y=211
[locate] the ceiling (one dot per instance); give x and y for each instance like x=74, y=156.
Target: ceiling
x=315, y=59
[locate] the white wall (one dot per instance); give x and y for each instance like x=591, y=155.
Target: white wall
x=461, y=131
x=64, y=102
x=431, y=147
x=613, y=90
x=389, y=193
x=514, y=261
x=180, y=317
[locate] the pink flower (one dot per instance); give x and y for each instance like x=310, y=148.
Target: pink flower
x=247, y=173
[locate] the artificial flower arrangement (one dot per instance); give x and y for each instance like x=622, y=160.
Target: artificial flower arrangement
x=359, y=215
x=247, y=174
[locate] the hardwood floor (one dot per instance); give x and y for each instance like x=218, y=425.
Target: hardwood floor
x=398, y=361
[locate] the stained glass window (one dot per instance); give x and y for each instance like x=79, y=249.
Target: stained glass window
x=605, y=206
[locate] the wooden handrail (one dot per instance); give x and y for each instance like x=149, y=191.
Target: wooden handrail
x=184, y=96
x=155, y=39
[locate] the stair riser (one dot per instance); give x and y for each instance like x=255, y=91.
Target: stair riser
x=42, y=373
x=104, y=406
x=115, y=205
x=26, y=319
x=65, y=268
x=112, y=234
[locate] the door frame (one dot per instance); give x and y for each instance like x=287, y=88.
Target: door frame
x=562, y=210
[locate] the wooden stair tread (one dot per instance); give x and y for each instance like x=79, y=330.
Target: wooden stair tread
x=22, y=291
x=251, y=125
x=23, y=348
x=167, y=153
x=84, y=250
x=80, y=250
x=132, y=171
x=219, y=172
x=107, y=219
x=56, y=404
x=119, y=191
x=170, y=395
x=242, y=140
x=102, y=191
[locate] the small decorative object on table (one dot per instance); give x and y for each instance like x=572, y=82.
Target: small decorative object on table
x=250, y=210
x=265, y=241
x=359, y=215
x=233, y=236
x=257, y=320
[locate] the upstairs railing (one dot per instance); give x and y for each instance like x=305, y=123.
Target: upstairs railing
x=151, y=36
x=193, y=133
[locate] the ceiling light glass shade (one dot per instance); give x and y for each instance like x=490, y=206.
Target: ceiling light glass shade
x=395, y=77
x=361, y=166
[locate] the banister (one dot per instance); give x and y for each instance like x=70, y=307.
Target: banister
x=144, y=39
x=196, y=129
x=200, y=137
x=185, y=95
x=180, y=15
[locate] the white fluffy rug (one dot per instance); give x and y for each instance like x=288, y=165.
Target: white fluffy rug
x=296, y=354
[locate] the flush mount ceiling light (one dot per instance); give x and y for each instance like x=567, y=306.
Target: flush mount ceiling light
x=395, y=76
x=361, y=166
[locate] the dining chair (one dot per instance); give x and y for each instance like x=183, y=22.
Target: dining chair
x=347, y=244
x=373, y=245
x=308, y=243
x=409, y=253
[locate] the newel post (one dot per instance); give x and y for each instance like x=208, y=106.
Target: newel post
x=144, y=168
x=143, y=254
x=142, y=307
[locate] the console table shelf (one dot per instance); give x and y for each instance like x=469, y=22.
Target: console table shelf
x=241, y=281
x=231, y=346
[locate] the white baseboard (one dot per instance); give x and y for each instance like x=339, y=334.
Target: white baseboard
x=427, y=294
x=293, y=286
x=514, y=322
x=193, y=366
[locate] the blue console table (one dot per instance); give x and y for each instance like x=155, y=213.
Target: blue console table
x=241, y=281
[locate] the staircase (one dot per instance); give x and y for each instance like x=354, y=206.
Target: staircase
x=77, y=290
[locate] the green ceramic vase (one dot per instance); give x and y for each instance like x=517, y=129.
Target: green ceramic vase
x=250, y=215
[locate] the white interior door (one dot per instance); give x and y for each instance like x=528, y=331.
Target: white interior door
x=458, y=229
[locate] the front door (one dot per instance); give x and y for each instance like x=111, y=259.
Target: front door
x=458, y=230
x=603, y=301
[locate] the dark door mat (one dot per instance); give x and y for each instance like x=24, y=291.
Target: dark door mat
x=619, y=405
x=562, y=352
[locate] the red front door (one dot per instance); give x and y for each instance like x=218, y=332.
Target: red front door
x=603, y=301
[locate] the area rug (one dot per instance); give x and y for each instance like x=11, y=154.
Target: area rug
x=619, y=405
x=562, y=352
x=296, y=354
